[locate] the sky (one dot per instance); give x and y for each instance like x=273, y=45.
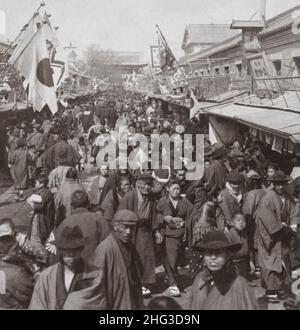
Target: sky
x=129, y=25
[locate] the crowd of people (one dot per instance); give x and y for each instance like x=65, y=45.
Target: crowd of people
x=98, y=246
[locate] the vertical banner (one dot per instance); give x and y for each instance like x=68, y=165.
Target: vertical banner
x=260, y=72
x=277, y=144
x=155, y=56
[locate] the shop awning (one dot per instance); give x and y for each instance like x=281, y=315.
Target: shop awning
x=4, y=107
x=283, y=123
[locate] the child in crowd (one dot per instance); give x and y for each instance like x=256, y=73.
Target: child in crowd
x=238, y=234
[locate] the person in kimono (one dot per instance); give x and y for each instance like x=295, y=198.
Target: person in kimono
x=93, y=226
x=218, y=286
x=141, y=202
x=229, y=200
x=36, y=138
x=112, y=200
x=277, y=219
x=19, y=161
x=63, y=197
x=97, y=186
x=52, y=156
x=43, y=218
x=70, y=274
x=58, y=175
x=217, y=171
x=172, y=215
x=118, y=285
x=242, y=258
x=250, y=205
x=16, y=280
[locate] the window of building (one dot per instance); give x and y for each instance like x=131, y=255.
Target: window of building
x=239, y=69
x=217, y=71
x=297, y=64
x=226, y=69
x=277, y=66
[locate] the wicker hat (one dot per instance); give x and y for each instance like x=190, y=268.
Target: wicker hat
x=234, y=177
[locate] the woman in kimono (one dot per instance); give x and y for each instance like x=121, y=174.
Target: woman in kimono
x=19, y=161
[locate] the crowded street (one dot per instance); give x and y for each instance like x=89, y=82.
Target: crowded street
x=169, y=182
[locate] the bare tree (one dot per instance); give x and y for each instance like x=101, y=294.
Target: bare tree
x=100, y=62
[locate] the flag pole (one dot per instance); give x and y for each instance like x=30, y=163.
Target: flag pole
x=21, y=53
x=192, y=95
x=42, y=4
x=176, y=62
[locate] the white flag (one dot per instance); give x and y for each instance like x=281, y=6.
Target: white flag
x=21, y=57
x=34, y=65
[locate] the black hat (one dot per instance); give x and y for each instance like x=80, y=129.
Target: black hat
x=126, y=217
x=70, y=238
x=279, y=176
x=216, y=240
x=234, y=177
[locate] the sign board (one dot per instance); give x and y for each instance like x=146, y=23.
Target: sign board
x=155, y=56
x=261, y=75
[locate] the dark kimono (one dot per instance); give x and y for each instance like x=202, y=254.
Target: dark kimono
x=174, y=237
x=216, y=174
x=50, y=292
x=51, y=158
x=226, y=291
x=16, y=285
x=274, y=239
x=44, y=215
x=144, y=236
x=118, y=282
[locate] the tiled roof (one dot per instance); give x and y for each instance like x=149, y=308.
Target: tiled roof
x=207, y=33
x=281, y=21
x=213, y=49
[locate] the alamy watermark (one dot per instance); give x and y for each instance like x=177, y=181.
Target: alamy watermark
x=155, y=152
